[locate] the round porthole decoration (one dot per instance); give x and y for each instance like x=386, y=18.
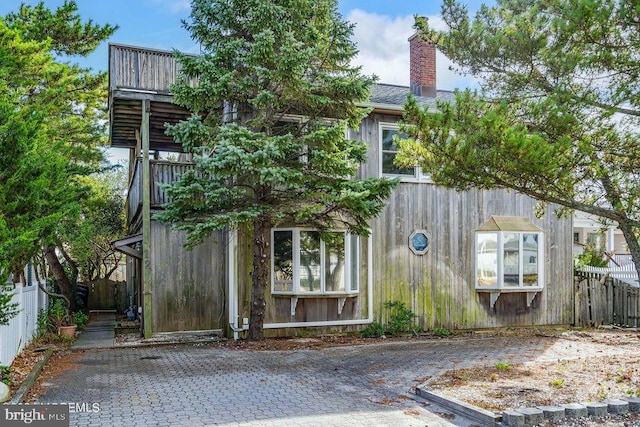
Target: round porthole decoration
x=419, y=242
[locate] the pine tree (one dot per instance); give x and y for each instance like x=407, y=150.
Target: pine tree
x=52, y=120
x=276, y=94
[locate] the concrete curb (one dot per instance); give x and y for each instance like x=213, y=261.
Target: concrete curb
x=483, y=416
x=143, y=344
x=530, y=416
x=26, y=385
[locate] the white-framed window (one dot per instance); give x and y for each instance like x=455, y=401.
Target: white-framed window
x=597, y=240
x=509, y=255
x=389, y=132
x=302, y=263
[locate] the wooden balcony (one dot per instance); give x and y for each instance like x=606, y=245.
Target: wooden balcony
x=137, y=74
x=139, y=69
x=161, y=172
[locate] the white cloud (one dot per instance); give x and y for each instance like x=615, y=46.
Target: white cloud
x=384, y=49
x=174, y=6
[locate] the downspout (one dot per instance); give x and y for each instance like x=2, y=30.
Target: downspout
x=232, y=279
x=370, y=278
x=147, y=300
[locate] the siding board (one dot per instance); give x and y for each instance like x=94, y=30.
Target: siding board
x=188, y=286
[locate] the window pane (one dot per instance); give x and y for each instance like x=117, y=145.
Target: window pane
x=334, y=263
x=511, y=242
x=389, y=150
x=283, y=261
x=355, y=260
x=387, y=139
x=487, y=259
x=389, y=168
x=530, y=259
x=310, y=261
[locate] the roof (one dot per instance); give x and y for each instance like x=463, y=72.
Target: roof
x=396, y=96
x=508, y=223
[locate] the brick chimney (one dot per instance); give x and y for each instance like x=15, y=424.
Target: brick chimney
x=422, y=73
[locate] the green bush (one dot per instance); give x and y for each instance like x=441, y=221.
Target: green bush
x=442, y=332
x=5, y=375
x=592, y=257
x=375, y=330
x=44, y=323
x=58, y=313
x=80, y=319
x=400, y=317
x=503, y=366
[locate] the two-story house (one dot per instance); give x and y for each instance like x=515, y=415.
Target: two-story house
x=459, y=260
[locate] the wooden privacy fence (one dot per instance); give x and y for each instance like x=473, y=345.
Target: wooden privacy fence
x=606, y=297
x=23, y=327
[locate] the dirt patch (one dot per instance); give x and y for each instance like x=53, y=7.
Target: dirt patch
x=585, y=378
x=29, y=357
x=61, y=361
x=22, y=365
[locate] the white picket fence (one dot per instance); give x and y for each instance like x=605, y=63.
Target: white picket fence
x=625, y=273
x=22, y=328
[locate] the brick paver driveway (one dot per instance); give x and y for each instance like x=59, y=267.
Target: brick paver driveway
x=197, y=384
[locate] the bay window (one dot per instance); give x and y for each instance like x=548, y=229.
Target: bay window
x=509, y=257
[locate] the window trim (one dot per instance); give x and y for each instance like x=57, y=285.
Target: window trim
x=349, y=258
x=418, y=175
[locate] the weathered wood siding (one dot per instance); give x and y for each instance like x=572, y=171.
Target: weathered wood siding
x=188, y=286
x=439, y=286
x=133, y=67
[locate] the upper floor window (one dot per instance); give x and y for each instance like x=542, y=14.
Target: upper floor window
x=303, y=263
x=509, y=254
x=388, y=152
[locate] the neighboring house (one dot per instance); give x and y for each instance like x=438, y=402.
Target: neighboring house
x=476, y=259
x=599, y=234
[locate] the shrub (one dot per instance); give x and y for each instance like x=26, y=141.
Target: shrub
x=5, y=375
x=374, y=330
x=80, y=319
x=442, y=332
x=59, y=314
x=44, y=323
x=400, y=318
x=592, y=257
x=503, y=366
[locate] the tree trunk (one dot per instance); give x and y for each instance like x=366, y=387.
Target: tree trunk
x=632, y=241
x=261, y=228
x=72, y=264
x=612, y=194
x=57, y=269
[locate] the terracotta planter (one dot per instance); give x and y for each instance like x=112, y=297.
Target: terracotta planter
x=67, y=331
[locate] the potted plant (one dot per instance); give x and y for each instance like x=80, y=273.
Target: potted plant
x=60, y=318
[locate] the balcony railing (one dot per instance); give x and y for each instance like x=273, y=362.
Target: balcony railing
x=136, y=68
x=161, y=172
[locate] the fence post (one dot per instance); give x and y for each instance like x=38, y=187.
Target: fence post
x=610, y=313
